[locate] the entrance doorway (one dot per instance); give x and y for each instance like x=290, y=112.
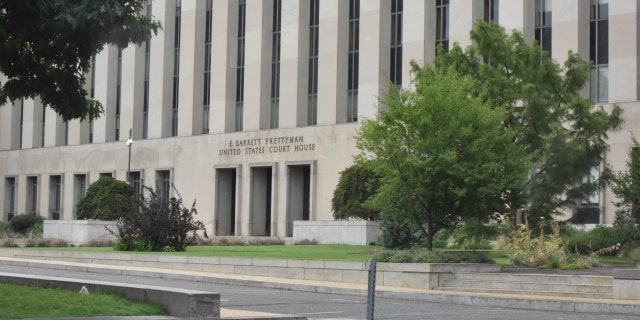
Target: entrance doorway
x=298, y=195
x=225, y=214
x=261, y=200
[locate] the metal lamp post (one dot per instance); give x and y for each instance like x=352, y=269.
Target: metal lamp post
x=129, y=143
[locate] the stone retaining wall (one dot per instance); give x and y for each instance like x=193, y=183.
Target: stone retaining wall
x=408, y=275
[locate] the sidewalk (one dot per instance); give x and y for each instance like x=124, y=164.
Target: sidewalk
x=548, y=303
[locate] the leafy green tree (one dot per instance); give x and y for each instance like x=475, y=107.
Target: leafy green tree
x=563, y=133
x=356, y=185
x=626, y=187
x=106, y=199
x=443, y=156
x=46, y=48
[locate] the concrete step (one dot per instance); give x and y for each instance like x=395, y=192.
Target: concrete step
x=531, y=284
x=531, y=293
x=537, y=278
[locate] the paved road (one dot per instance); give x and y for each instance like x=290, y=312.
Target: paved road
x=328, y=306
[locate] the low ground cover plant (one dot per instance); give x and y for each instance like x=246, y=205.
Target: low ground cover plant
x=425, y=256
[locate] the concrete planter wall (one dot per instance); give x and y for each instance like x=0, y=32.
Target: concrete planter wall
x=408, y=275
x=78, y=231
x=337, y=232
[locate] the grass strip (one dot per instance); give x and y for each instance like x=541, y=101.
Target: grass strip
x=19, y=302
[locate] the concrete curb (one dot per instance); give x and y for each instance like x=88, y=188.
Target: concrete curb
x=561, y=304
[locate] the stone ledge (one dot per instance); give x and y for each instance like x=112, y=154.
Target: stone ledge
x=626, y=283
x=626, y=274
x=178, y=302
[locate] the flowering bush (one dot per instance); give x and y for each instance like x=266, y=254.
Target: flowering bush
x=545, y=250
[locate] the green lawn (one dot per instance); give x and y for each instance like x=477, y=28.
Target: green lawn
x=331, y=252
x=19, y=302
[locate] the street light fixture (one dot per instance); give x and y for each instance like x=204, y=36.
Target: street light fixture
x=129, y=143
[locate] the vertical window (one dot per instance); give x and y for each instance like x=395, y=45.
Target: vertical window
x=275, y=63
x=10, y=197
x=118, y=93
x=206, y=98
x=21, y=120
x=92, y=93
x=176, y=70
x=66, y=133
x=79, y=188
x=599, y=50
x=163, y=184
x=44, y=125
x=491, y=10
x=145, y=94
x=353, y=54
x=32, y=195
x=314, y=28
x=543, y=25
x=395, y=65
x=442, y=24
x=592, y=177
x=135, y=179
x=55, y=196
x=242, y=6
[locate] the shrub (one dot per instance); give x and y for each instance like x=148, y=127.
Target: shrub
x=425, y=256
x=22, y=222
x=9, y=243
x=157, y=224
x=475, y=235
x=36, y=230
x=355, y=186
x=5, y=229
x=51, y=243
x=631, y=251
x=545, y=250
x=586, y=242
x=397, y=231
x=441, y=239
x=106, y=199
x=541, y=251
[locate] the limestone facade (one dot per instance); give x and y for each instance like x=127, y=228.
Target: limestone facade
x=199, y=101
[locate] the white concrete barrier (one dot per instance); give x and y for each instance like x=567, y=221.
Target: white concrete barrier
x=337, y=232
x=78, y=231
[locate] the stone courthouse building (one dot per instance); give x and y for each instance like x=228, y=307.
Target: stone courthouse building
x=251, y=106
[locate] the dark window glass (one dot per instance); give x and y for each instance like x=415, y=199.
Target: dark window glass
x=314, y=27
x=176, y=69
x=395, y=64
x=442, y=24
x=240, y=65
x=543, y=25
x=206, y=96
x=275, y=63
x=599, y=50
x=353, y=60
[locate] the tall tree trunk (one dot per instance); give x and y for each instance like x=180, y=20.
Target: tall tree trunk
x=430, y=231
